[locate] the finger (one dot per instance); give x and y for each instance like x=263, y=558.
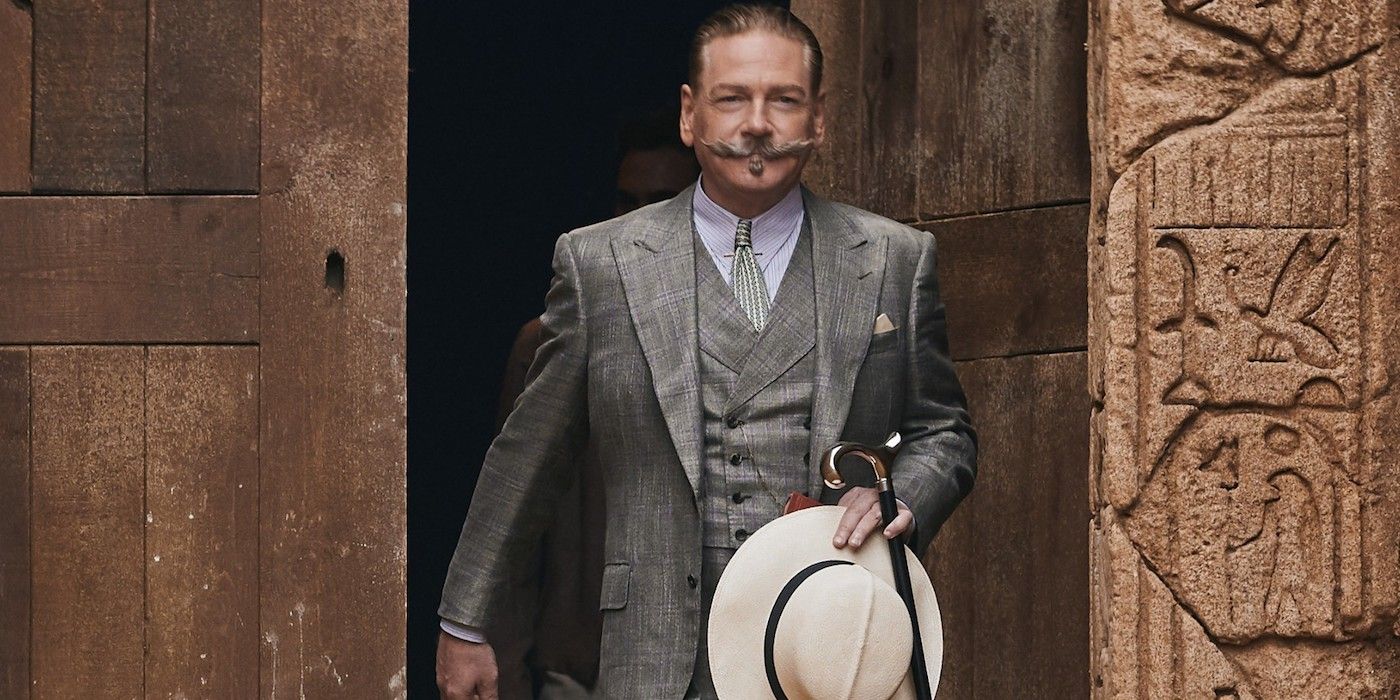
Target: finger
x=866, y=526
x=851, y=495
x=899, y=525
x=859, y=504
x=487, y=688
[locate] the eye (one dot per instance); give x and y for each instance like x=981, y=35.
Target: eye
x=728, y=98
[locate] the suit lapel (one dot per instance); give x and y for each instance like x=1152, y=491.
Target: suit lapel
x=849, y=268
x=657, y=268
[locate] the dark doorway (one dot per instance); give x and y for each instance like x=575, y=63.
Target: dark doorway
x=514, y=114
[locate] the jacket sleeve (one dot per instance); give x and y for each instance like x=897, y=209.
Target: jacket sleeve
x=937, y=464
x=527, y=468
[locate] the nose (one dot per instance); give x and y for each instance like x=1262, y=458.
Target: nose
x=756, y=120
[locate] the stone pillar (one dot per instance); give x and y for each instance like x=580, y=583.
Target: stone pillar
x=1243, y=341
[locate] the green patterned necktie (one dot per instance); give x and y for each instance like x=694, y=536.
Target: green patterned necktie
x=749, y=288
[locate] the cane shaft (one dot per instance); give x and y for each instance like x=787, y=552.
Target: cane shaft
x=889, y=508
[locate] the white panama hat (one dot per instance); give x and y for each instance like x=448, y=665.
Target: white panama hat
x=794, y=617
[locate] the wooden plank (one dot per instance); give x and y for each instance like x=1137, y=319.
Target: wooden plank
x=89, y=95
x=202, y=521
x=202, y=96
x=16, y=82
x=954, y=562
x=889, y=162
x=126, y=269
x=87, y=521
x=333, y=386
x=1002, y=97
x=1015, y=282
x=1031, y=520
x=14, y=522
x=832, y=170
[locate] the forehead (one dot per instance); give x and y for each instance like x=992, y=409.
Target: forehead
x=755, y=59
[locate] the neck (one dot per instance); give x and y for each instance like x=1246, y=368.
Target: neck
x=744, y=205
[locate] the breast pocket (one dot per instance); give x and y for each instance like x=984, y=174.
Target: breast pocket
x=883, y=342
x=617, y=578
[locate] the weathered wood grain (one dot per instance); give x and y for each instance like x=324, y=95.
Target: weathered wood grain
x=1017, y=550
x=952, y=562
x=202, y=96
x=121, y=269
x=832, y=170
x=202, y=521
x=1002, y=99
x=88, y=551
x=332, y=369
x=14, y=522
x=888, y=162
x=89, y=95
x=16, y=52
x=1015, y=282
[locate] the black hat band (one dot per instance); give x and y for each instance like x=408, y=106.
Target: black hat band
x=777, y=614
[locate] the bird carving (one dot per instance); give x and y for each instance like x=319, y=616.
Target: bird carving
x=1299, y=291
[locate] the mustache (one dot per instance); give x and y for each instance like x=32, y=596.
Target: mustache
x=762, y=146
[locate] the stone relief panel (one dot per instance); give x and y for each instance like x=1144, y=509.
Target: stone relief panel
x=1302, y=36
x=1241, y=353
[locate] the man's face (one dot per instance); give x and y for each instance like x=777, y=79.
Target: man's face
x=652, y=175
x=752, y=88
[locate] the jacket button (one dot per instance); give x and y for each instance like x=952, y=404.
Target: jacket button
x=741, y=534
x=690, y=579
x=736, y=458
x=733, y=422
x=807, y=423
x=737, y=497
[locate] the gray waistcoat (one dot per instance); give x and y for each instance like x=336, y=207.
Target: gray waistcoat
x=757, y=413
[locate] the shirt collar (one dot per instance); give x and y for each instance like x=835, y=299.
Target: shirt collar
x=769, y=229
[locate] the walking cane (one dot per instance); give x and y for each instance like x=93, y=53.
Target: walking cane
x=879, y=459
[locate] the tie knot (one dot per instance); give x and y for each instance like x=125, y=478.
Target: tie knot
x=742, y=237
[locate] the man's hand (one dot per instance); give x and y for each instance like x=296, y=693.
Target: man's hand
x=465, y=670
x=863, y=516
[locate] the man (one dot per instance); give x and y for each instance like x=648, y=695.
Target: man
x=546, y=638
x=709, y=346
x=654, y=165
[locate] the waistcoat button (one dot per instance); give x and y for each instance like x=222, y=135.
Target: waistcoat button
x=738, y=497
x=690, y=579
x=736, y=458
x=741, y=534
x=733, y=422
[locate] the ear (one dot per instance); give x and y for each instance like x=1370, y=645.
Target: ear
x=819, y=118
x=687, y=116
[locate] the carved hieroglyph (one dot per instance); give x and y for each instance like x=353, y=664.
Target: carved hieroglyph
x=1243, y=336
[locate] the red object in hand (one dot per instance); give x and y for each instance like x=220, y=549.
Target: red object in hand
x=797, y=501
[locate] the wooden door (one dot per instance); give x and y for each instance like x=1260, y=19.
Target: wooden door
x=202, y=394
x=967, y=119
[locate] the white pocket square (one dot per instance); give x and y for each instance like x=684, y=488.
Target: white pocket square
x=883, y=324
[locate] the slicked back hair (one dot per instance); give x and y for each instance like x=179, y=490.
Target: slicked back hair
x=743, y=18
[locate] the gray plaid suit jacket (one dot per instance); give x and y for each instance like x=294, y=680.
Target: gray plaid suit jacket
x=619, y=367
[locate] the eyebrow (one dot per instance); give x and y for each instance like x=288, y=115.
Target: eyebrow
x=789, y=87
